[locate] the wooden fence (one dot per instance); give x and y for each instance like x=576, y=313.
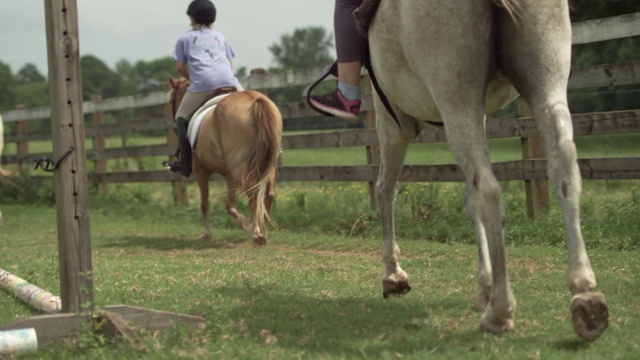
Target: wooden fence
x=531, y=169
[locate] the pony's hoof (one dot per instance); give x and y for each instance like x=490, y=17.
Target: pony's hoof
x=395, y=288
x=259, y=241
x=589, y=315
x=246, y=225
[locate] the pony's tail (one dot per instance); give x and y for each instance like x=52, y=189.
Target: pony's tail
x=266, y=150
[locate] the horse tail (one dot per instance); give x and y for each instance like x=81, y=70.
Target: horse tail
x=265, y=152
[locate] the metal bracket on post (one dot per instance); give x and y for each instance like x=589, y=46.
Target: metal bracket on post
x=49, y=165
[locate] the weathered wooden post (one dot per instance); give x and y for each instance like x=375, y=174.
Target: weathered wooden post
x=22, y=146
x=536, y=191
x=67, y=132
x=74, y=242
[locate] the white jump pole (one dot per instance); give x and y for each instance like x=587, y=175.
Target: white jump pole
x=36, y=297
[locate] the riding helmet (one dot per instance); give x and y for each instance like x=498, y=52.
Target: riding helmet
x=202, y=11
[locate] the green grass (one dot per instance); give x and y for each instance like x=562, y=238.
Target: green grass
x=315, y=291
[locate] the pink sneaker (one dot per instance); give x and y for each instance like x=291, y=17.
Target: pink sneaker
x=336, y=104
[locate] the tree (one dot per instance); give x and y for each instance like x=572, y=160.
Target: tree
x=98, y=79
x=34, y=94
x=32, y=88
x=29, y=74
x=241, y=72
x=145, y=76
x=307, y=47
x=304, y=48
x=7, y=87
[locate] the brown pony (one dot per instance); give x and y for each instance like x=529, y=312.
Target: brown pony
x=240, y=140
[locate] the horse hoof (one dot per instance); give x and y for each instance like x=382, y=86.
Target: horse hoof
x=395, y=288
x=259, y=241
x=495, y=326
x=589, y=315
x=246, y=225
x=480, y=302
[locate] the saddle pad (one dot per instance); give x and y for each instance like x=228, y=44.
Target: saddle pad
x=196, y=119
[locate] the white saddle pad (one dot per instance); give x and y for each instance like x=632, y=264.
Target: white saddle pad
x=196, y=119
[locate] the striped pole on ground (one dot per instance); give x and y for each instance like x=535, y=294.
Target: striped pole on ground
x=36, y=297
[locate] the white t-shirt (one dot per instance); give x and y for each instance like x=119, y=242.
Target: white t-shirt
x=206, y=54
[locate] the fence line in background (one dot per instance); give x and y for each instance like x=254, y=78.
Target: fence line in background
x=531, y=169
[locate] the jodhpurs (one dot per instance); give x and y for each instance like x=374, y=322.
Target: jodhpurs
x=349, y=43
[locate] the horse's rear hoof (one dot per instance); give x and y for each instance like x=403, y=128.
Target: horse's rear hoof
x=589, y=315
x=495, y=326
x=395, y=288
x=259, y=241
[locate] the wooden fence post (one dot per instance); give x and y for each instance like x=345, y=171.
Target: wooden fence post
x=99, y=144
x=373, y=152
x=536, y=191
x=68, y=135
x=22, y=128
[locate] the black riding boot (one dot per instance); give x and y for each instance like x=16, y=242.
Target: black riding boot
x=183, y=165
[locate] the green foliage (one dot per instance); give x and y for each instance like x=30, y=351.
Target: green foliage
x=145, y=76
x=34, y=94
x=98, y=79
x=7, y=84
x=604, y=52
x=24, y=189
x=306, y=47
x=582, y=10
x=29, y=74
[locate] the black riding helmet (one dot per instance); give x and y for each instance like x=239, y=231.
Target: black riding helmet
x=202, y=11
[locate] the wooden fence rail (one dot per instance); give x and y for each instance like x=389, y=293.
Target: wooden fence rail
x=596, y=76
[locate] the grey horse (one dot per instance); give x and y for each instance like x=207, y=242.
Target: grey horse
x=452, y=62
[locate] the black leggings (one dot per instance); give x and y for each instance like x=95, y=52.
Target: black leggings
x=349, y=43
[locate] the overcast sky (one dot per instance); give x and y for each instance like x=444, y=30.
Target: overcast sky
x=147, y=30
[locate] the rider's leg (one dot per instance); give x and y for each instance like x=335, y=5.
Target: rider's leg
x=344, y=101
x=188, y=106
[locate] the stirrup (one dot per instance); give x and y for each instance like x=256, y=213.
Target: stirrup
x=306, y=93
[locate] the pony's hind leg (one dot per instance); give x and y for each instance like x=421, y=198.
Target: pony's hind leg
x=537, y=59
x=259, y=237
x=232, y=193
x=202, y=178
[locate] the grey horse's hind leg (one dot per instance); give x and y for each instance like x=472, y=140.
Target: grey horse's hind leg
x=537, y=59
x=394, y=143
x=481, y=300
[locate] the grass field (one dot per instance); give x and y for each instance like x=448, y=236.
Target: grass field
x=311, y=295
x=315, y=291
